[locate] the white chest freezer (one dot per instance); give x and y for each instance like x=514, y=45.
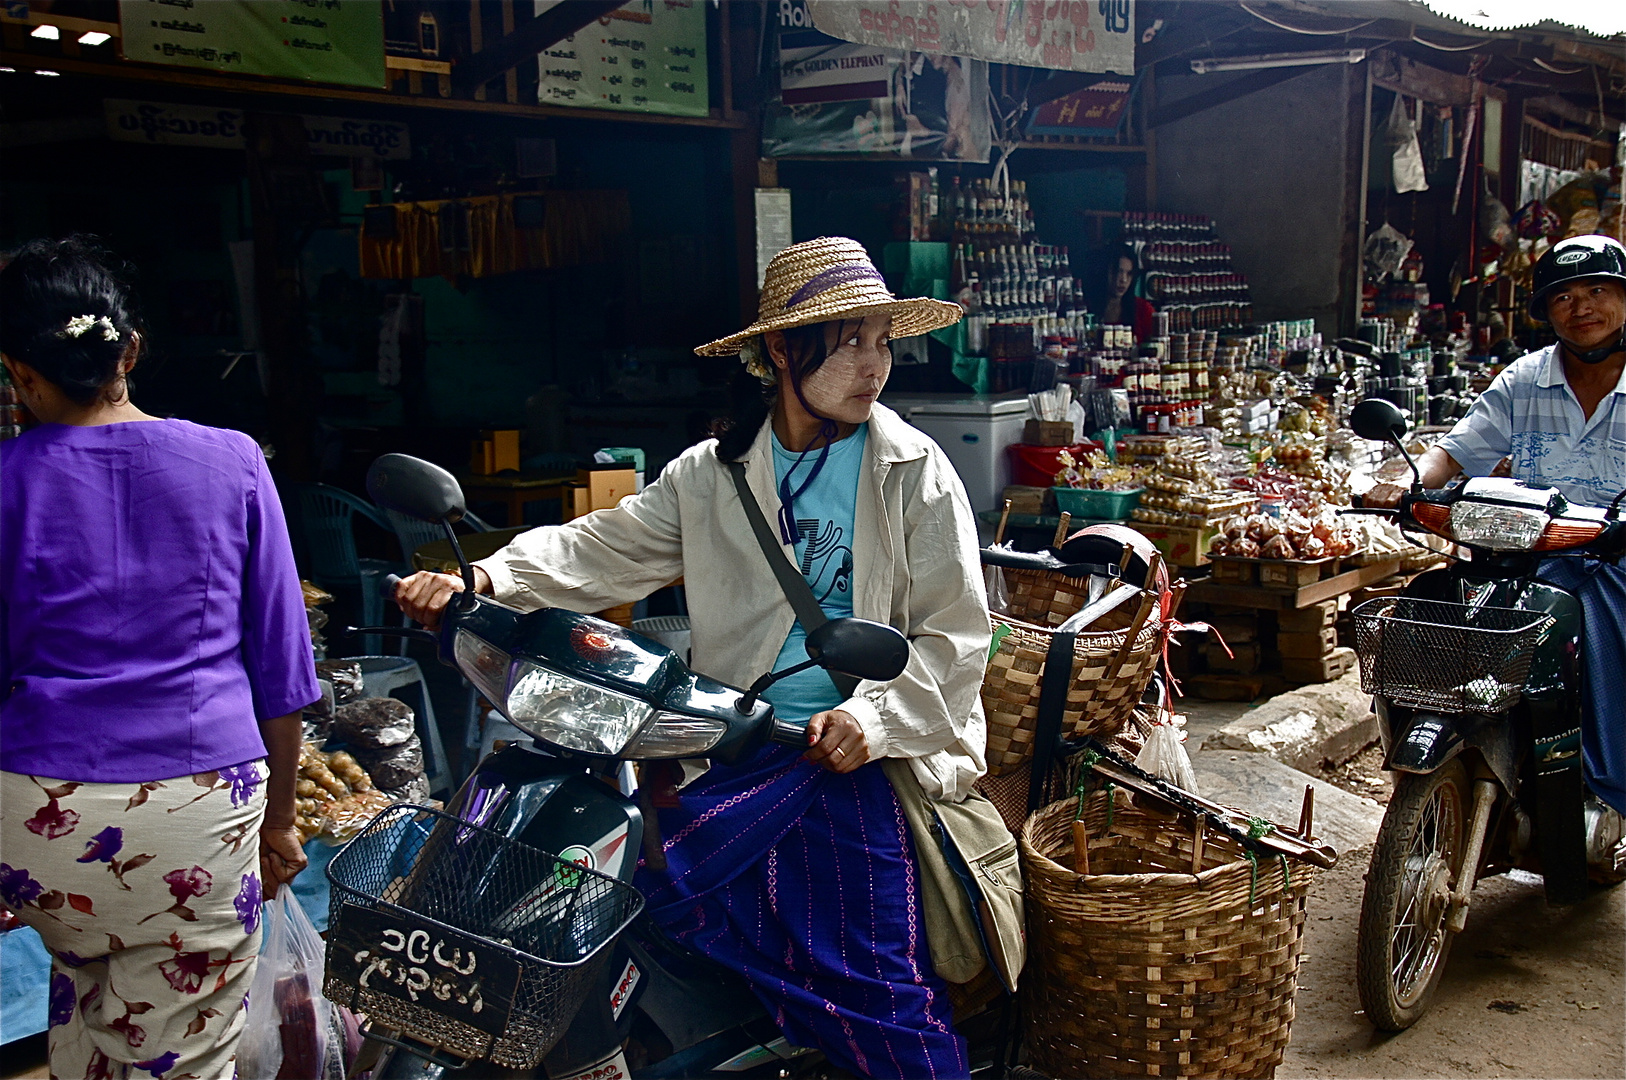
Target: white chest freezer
x=973, y=430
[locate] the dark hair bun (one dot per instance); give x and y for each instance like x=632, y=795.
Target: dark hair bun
x=66, y=312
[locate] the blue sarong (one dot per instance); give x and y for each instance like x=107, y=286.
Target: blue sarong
x=804, y=881
x=1601, y=588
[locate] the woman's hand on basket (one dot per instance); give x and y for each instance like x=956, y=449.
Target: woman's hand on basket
x=836, y=741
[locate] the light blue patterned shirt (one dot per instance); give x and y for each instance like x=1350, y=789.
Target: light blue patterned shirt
x=1531, y=415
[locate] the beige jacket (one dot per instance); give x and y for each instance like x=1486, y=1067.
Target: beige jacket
x=915, y=566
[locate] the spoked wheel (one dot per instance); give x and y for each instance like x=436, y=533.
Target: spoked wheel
x=1403, y=941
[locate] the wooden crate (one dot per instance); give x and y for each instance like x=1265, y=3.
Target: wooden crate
x=1313, y=617
x=1244, y=658
x=1279, y=599
x=1292, y=573
x=1235, y=629
x=1325, y=669
x=1307, y=644
x=1227, y=687
x=1232, y=570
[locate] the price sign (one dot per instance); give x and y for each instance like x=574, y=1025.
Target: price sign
x=461, y=977
x=644, y=57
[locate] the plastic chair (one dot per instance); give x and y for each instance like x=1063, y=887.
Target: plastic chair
x=382, y=674
x=327, y=516
x=413, y=534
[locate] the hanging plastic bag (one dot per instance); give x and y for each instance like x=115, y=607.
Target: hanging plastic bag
x=1164, y=754
x=287, y=1035
x=1385, y=250
x=999, y=599
x=1409, y=172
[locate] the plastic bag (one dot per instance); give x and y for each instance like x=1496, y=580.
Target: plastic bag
x=1385, y=249
x=1164, y=754
x=287, y=1033
x=1401, y=133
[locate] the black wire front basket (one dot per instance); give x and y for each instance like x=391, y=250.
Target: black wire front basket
x=1431, y=654
x=464, y=940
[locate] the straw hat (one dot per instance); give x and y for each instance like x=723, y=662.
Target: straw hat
x=826, y=279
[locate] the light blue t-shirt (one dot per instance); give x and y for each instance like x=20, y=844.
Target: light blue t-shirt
x=824, y=554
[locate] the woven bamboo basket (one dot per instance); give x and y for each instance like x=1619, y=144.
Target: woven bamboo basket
x=1143, y=968
x=1046, y=598
x=1107, y=682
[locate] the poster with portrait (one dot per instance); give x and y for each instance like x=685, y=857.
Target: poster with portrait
x=836, y=97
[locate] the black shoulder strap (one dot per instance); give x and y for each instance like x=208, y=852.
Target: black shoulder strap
x=792, y=583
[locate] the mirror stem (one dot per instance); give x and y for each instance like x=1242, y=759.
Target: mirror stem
x=463, y=564
x=1416, y=477
x=748, y=700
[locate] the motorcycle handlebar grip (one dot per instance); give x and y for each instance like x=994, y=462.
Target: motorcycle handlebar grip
x=387, y=584
x=788, y=733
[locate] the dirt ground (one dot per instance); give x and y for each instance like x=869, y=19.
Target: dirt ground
x=1528, y=990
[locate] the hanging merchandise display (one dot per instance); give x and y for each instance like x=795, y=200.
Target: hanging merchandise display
x=492, y=234
x=1400, y=133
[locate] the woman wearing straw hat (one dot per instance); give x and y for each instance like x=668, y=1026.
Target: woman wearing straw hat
x=796, y=869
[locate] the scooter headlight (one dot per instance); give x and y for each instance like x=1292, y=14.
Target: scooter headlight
x=1497, y=527
x=573, y=714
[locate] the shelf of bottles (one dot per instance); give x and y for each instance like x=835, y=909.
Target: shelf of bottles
x=1019, y=293
x=1187, y=271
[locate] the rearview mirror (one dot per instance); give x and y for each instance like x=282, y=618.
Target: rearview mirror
x=860, y=648
x=1378, y=420
x=416, y=488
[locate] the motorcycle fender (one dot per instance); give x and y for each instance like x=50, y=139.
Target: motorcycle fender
x=1421, y=742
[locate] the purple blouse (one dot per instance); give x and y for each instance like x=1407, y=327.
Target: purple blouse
x=150, y=612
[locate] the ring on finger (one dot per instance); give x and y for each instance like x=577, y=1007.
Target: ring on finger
x=839, y=750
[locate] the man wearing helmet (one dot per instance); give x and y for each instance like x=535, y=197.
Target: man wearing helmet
x=1557, y=418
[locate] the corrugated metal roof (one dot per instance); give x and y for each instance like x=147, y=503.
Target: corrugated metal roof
x=1605, y=18
x=1598, y=19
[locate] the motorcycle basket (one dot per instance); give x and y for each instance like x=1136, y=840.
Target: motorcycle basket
x=464, y=940
x=1430, y=654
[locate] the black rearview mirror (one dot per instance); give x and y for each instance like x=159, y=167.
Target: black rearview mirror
x=1379, y=420
x=860, y=648
x=415, y=487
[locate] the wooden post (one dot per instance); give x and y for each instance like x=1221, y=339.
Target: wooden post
x=1004, y=516
x=1081, y=846
x=1061, y=529
x=477, y=41
x=511, y=77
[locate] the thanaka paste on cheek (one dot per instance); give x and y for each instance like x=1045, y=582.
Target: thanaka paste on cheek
x=829, y=391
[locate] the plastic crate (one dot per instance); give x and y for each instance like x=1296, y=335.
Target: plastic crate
x=1099, y=505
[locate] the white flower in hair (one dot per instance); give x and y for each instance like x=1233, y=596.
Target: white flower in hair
x=755, y=362
x=77, y=326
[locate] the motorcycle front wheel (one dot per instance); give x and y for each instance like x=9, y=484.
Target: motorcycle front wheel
x=1417, y=861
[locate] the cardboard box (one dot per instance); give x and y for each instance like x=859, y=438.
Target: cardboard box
x=1048, y=433
x=1181, y=545
x=504, y=450
x=607, y=484
x=1023, y=499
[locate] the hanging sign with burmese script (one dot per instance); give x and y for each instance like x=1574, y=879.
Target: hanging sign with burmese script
x=1067, y=35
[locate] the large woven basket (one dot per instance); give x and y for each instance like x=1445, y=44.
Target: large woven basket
x=1107, y=682
x=1046, y=598
x=1142, y=968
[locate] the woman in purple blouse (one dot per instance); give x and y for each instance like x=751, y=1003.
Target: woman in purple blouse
x=154, y=658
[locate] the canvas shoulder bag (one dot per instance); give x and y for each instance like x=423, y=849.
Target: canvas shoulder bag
x=970, y=873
